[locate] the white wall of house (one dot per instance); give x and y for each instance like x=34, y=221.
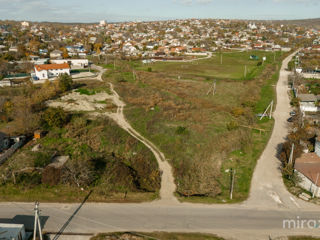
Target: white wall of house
x=57, y=72
x=306, y=184
x=55, y=55
x=308, y=107
x=75, y=63
x=41, y=75
x=46, y=74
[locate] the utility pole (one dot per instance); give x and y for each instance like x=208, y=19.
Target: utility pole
x=265, y=112
x=233, y=173
x=114, y=64
x=245, y=71
x=134, y=75
x=291, y=154
x=37, y=223
x=221, y=58
x=271, y=109
x=315, y=186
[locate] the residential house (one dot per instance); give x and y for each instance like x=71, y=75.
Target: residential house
x=307, y=167
x=13, y=49
x=308, y=103
x=73, y=63
x=25, y=24
x=47, y=71
x=56, y=54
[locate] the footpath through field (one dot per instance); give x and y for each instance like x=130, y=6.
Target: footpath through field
x=262, y=216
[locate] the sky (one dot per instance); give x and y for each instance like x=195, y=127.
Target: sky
x=147, y=10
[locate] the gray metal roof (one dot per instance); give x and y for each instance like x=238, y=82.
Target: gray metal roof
x=307, y=97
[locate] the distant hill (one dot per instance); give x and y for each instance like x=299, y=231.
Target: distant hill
x=312, y=23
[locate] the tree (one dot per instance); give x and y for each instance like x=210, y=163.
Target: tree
x=79, y=172
x=54, y=117
x=65, y=82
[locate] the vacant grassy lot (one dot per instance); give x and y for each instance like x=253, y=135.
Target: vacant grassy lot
x=156, y=236
x=232, y=67
x=202, y=135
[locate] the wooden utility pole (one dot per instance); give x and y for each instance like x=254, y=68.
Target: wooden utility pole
x=37, y=223
x=233, y=173
x=221, y=58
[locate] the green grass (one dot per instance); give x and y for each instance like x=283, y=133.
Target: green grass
x=158, y=235
x=232, y=67
x=205, y=122
x=84, y=91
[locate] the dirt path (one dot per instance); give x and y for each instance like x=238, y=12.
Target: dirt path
x=168, y=186
x=267, y=187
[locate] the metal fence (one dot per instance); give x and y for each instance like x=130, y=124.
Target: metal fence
x=11, y=151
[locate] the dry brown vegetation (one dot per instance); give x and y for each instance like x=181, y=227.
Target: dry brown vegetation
x=102, y=156
x=196, y=131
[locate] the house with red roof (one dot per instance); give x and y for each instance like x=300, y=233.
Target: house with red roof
x=47, y=71
x=307, y=166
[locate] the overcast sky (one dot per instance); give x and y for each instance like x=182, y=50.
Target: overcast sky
x=128, y=10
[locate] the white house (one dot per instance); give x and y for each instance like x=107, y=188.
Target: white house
x=307, y=103
x=103, y=23
x=47, y=71
x=307, y=167
x=73, y=63
x=25, y=24
x=56, y=54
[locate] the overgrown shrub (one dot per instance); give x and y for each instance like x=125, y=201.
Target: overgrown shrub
x=26, y=178
x=65, y=82
x=181, y=130
x=41, y=160
x=54, y=117
x=232, y=125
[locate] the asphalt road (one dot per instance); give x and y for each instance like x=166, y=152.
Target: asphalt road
x=261, y=216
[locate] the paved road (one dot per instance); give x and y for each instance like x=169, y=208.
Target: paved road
x=258, y=218
x=233, y=222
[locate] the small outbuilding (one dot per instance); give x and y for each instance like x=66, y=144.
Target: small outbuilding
x=13, y=232
x=4, y=142
x=38, y=134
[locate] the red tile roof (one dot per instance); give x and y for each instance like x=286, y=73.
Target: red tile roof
x=309, y=165
x=52, y=66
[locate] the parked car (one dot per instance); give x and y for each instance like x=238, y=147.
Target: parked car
x=293, y=113
x=290, y=119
